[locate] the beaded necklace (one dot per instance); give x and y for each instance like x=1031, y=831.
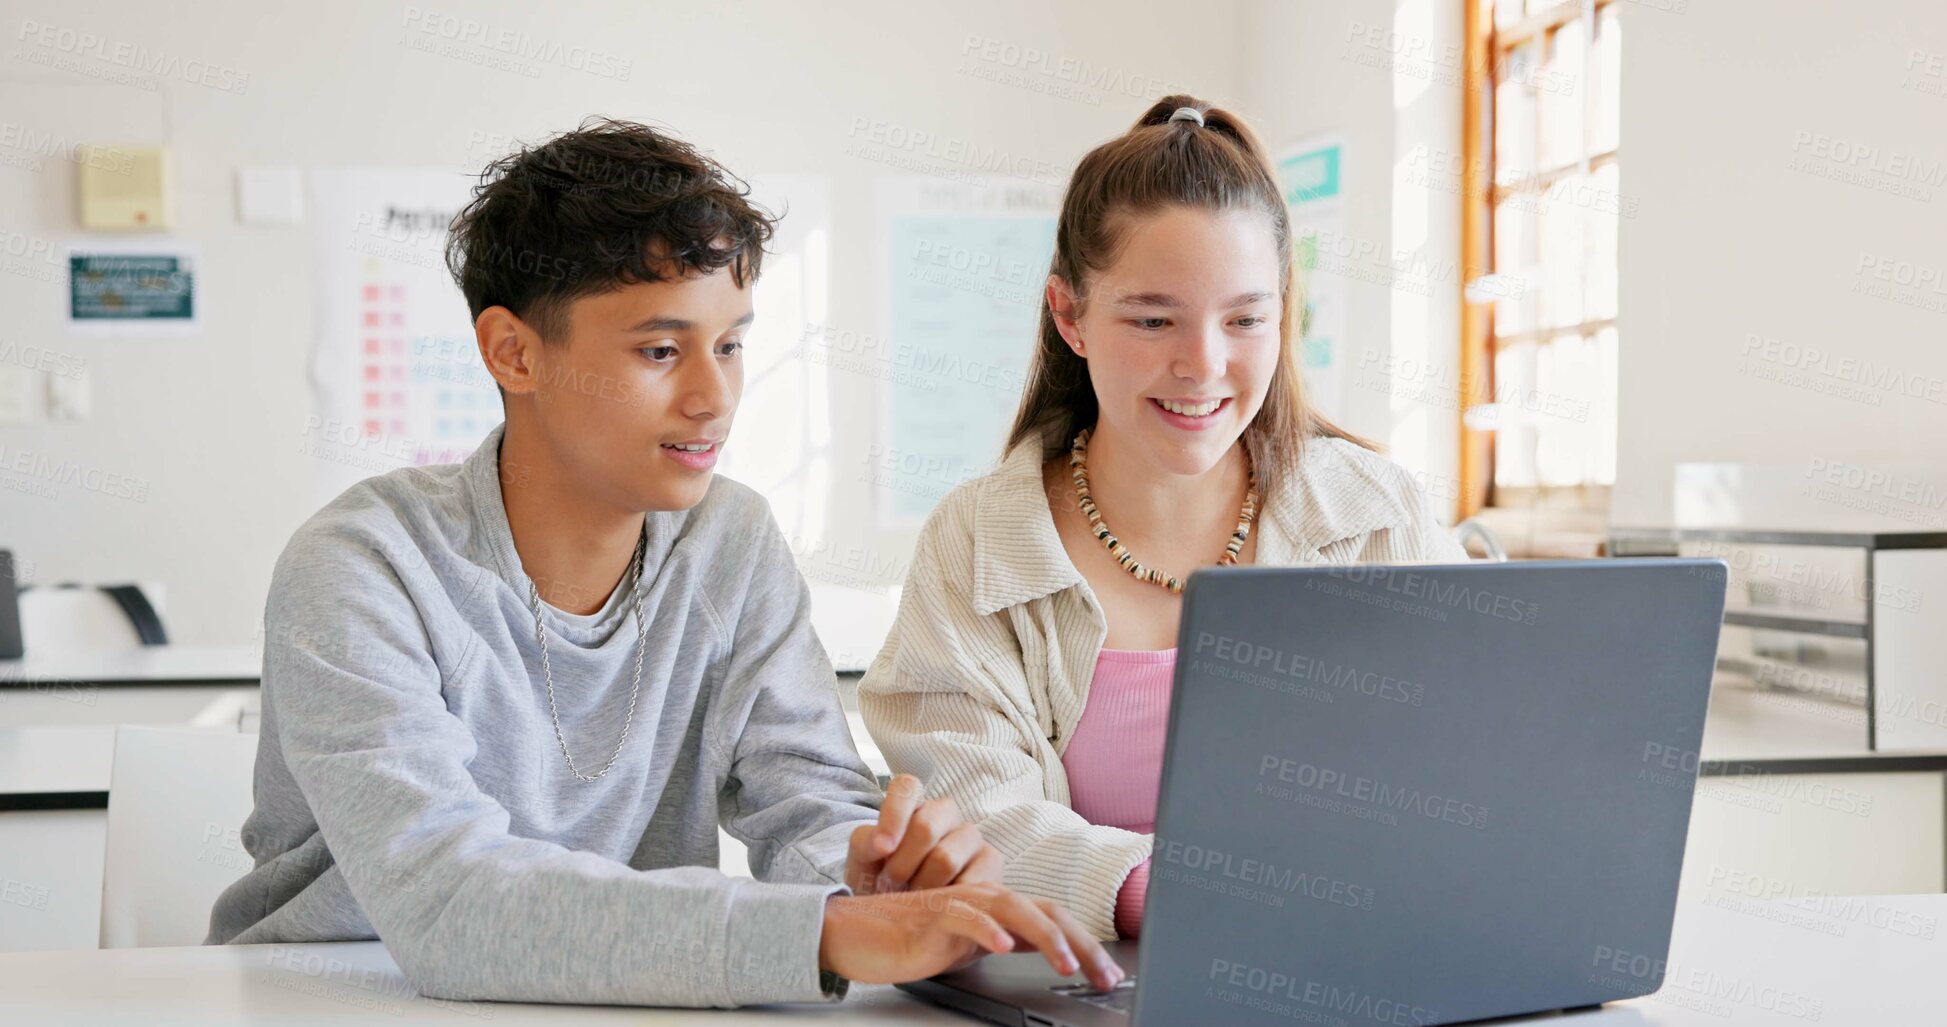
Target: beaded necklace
x=1078, y=458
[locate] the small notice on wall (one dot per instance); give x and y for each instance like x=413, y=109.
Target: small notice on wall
x=1309, y=174
x=136, y=291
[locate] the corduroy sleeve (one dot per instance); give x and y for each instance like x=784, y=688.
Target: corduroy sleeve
x=946, y=701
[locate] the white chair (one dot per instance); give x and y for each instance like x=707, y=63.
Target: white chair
x=177, y=800
x=59, y=619
x=1475, y=528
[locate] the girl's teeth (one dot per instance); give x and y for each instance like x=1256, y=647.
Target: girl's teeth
x=1190, y=409
x=705, y=448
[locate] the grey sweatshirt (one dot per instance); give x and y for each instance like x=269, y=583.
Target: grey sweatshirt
x=409, y=785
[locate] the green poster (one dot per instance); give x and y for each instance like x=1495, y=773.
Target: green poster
x=126, y=287
x=1310, y=175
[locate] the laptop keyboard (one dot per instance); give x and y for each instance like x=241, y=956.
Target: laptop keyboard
x=1119, y=999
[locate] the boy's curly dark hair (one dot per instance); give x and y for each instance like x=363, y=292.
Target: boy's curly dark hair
x=611, y=203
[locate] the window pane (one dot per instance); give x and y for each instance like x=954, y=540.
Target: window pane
x=1514, y=257
x=1561, y=259
x=1606, y=105
x=1506, y=13
x=1515, y=112
x=1604, y=211
x=1514, y=437
x=1559, y=83
x=1602, y=414
x=1560, y=406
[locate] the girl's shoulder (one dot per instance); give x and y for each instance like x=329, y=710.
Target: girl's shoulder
x=993, y=537
x=1009, y=496
x=1334, y=462
x=1340, y=489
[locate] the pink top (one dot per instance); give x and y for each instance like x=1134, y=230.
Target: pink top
x=1114, y=760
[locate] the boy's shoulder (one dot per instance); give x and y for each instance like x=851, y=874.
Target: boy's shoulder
x=395, y=517
x=419, y=521
x=730, y=506
x=733, y=530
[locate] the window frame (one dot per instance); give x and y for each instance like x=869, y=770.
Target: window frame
x=1487, y=49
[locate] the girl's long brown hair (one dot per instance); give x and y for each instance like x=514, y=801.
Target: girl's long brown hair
x=1218, y=166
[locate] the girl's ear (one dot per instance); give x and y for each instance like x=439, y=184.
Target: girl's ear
x=1065, y=307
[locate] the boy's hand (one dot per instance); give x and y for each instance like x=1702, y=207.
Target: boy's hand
x=886, y=939
x=917, y=844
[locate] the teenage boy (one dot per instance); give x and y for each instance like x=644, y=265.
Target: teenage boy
x=507, y=703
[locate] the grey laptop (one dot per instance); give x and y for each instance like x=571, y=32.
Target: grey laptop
x=1408, y=795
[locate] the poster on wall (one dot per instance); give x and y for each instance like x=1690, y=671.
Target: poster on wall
x=144, y=288
x=964, y=264
x=1309, y=174
x=396, y=375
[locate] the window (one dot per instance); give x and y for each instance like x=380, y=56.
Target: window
x=1539, y=239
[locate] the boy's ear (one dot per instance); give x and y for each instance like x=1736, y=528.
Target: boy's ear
x=510, y=349
x=1064, y=307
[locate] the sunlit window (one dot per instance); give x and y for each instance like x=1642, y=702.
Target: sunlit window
x=1545, y=229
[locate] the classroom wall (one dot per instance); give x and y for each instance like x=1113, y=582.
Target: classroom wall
x=1783, y=283
x=212, y=425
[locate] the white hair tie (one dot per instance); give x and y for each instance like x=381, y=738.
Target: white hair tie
x=1188, y=114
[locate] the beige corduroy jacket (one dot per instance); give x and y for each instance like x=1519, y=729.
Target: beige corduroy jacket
x=988, y=665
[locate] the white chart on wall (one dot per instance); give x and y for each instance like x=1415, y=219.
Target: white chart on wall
x=964, y=266
x=397, y=379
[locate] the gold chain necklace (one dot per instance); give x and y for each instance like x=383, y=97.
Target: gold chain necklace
x=1078, y=458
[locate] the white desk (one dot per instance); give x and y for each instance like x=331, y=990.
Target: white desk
x=64, y=760
x=1751, y=723
x=1758, y=963
x=146, y=685
x=140, y=665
